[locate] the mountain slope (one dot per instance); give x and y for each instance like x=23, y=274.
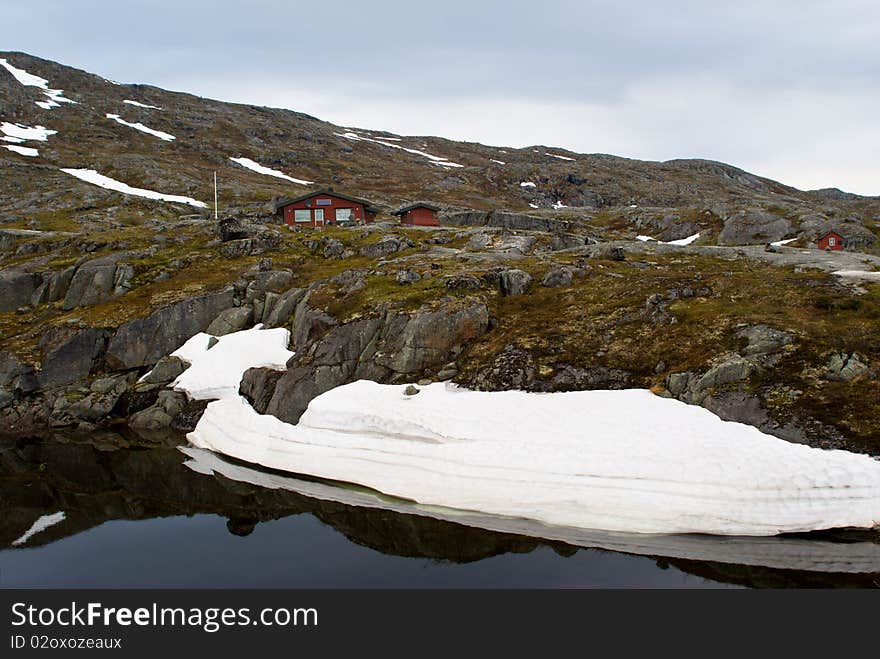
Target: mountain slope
x=388, y=168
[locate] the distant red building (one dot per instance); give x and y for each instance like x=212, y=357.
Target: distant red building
x=831, y=240
x=325, y=207
x=419, y=214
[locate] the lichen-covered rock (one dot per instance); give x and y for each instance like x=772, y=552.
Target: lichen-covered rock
x=558, y=276
x=231, y=320
x=165, y=370
x=762, y=339
x=514, y=282
x=845, y=366
x=407, y=276
x=284, y=307
x=462, y=282
x=385, y=246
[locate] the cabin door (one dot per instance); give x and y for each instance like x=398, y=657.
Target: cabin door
x=319, y=217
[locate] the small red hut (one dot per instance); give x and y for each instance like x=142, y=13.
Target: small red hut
x=831, y=240
x=419, y=214
x=323, y=208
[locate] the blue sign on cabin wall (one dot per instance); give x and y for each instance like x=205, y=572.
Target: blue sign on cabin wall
x=323, y=202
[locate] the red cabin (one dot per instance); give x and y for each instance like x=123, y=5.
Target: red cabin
x=325, y=207
x=419, y=214
x=831, y=240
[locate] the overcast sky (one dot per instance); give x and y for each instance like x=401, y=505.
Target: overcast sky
x=786, y=89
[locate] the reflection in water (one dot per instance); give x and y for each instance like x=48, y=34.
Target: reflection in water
x=157, y=517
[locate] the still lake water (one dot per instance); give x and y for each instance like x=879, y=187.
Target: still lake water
x=140, y=517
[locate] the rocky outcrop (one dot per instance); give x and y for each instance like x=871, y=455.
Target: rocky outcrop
x=386, y=246
x=753, y=227
x=762, y=340
x=506, y=220
x=516, y=368
x=845, y=367
x=17, y=288
x=96, y=281
x=388, y=347
x=513, y=282
x=145, y=341
x=558, y=276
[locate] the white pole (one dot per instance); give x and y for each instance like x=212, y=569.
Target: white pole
x=216, y=216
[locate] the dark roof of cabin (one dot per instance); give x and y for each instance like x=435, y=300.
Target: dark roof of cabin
x=330, y=192
x=829, y=233
x=414, y=205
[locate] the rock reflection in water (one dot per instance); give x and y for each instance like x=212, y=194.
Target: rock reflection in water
x=96, y=481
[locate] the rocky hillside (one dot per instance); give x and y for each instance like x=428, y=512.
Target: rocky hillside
x=178, y=141
x=542, y=287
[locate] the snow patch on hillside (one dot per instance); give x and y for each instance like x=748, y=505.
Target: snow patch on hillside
x=527, y=184
x=260, y=169
x=780, y=243
x=140, y=105
x=24, y=133
x=437, y=160
x=499, y=162
x=554, y=155
x=23, y=150
x=144, y=129
x=684, y=241
x=93, y=177
x=867, y=275
x=54, y=97
x=680, y=241
x=39, y=526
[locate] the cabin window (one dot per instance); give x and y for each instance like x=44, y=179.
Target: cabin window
x=302, y=215
x=323, y=202
x=319, y=215
x=831, y=242
x=343, y=214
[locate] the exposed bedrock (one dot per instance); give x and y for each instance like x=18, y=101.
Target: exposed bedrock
x=388, y=347
x=145, y=341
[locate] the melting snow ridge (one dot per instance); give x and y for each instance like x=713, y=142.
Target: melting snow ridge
x=93, y=177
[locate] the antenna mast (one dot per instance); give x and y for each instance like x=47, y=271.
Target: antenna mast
x=216, y=216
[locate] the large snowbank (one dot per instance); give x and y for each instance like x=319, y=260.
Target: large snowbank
x=613, y=460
